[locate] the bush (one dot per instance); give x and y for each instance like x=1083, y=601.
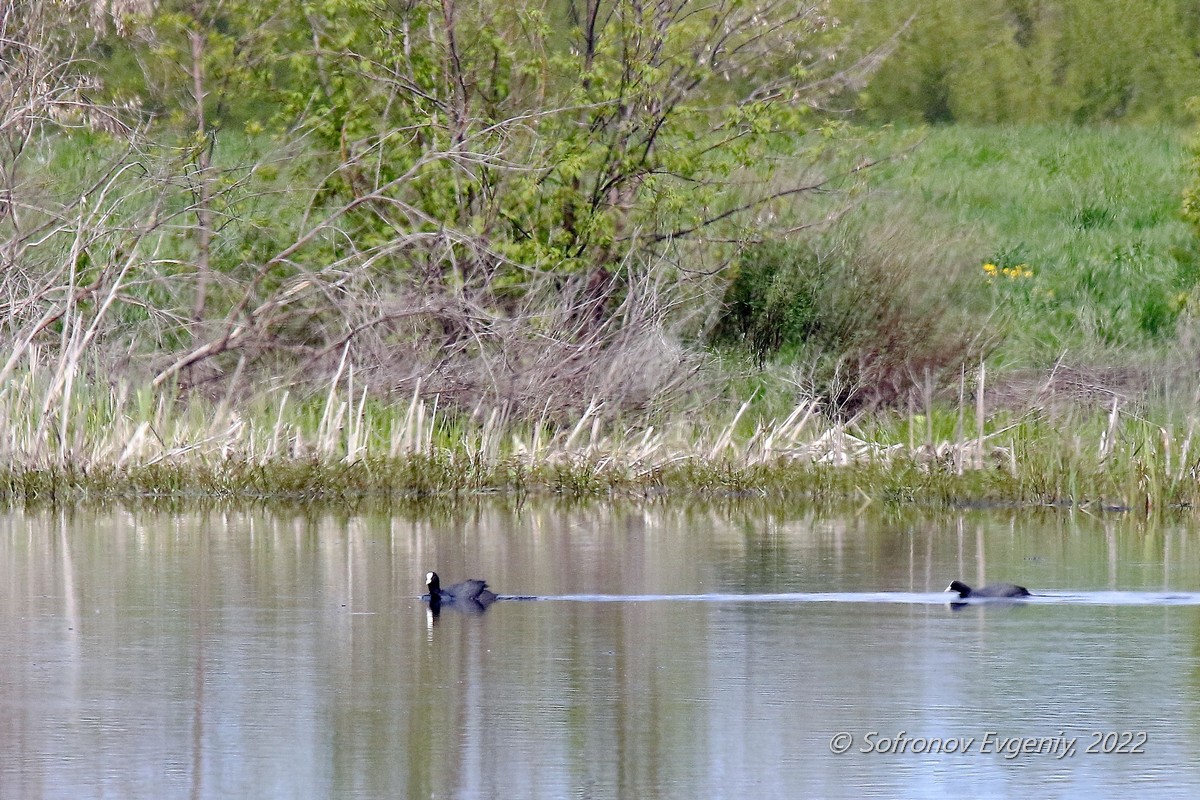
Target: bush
x=871, y=310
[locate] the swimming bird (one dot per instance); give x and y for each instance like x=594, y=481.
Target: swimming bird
x=472, y=595
x=995, y=590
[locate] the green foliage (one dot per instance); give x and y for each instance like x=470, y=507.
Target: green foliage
x=562, y=140
x=773, y=299
x=443, y=166
x=1191, y=192
x=460, y=164
x=230, y=45
x=983, y=61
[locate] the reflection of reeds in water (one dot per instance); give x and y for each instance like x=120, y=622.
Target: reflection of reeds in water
x=62, y=432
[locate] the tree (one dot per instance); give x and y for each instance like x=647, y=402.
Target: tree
x=496, y=203
x=493, y=163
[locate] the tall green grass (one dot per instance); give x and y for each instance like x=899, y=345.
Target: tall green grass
x=1087, y=219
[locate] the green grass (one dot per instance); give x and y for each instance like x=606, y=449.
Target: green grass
x=1092, y=213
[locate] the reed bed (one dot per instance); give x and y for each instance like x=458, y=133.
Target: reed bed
x=68, y=439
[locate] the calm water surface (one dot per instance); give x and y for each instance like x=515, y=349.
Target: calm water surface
x=679, y=651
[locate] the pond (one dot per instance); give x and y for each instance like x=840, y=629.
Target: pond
x=675, y=650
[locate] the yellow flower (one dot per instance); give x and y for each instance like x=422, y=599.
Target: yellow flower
x=1018, y=272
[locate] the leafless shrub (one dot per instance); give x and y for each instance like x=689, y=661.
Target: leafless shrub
x=904, y=314
x=557, y=352
x=872, y=309
x=549, y=348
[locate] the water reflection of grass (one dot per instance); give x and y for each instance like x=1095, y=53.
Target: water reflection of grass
x=105, y=443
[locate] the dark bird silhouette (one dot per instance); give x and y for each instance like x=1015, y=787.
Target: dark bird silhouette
x=995, y=590
x=472, y=595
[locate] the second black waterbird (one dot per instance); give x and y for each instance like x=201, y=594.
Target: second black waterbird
x=995, y=590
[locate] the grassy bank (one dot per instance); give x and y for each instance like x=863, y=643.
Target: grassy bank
x=100, y=444
x=1093, y=261
x=1077, y=265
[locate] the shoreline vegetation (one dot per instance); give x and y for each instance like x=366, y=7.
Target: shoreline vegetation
x=348, y=446
x=430, y=251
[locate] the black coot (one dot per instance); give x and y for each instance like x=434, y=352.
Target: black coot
x=995, y=590
x=470, y=595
